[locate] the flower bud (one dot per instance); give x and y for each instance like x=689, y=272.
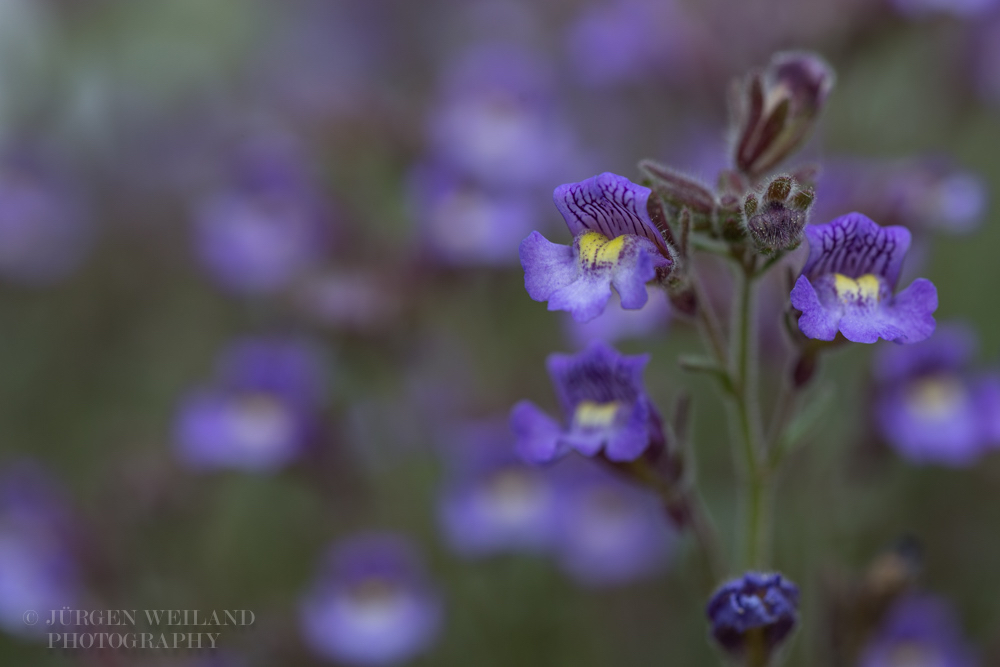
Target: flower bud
x=680, y=191
x=776, y=221
x=754, y=614
x=775, y=110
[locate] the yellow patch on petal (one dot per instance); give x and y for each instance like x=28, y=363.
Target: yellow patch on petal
x=593, y=414
x=935, y=397
x=597, y=250
x=914, y=654
x=865, y=287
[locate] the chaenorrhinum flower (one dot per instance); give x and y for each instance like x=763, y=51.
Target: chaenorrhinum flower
x=919, y=630
x=756, y=612
x=262, y=230
x=609, y=532
x=629, y=41
x=615, y=243
x=37, y=568
x=464, y=224
x=929, y=408
x=493, y=502
x=605, y=405
x=496, y=119
x=848, y=280
x=260, y=411
x=616, y=323
x=44, y=234
x=986, y=69
x=965, y=9
x=358, y=300
x=371, y=603
x=923, y=194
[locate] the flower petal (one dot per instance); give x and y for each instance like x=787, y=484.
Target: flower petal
x=854, y=245
x=538, y=435
x=609, y=204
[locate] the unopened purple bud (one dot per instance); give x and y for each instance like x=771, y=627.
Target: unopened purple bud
x=803, y=78
x=775, y=110
x=753, y=614
x=776, y=223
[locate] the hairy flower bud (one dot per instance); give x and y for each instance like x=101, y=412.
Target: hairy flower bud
x=775, y=110
x=776, y=218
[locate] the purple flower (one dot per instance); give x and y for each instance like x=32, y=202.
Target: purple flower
x=371, y=603
x=44, y=235
x=616, y=323
x=848, y=280
x=755, y=612
x=615, y=243
x=609, y=532
x=264, y=228
x=604, y=402
x=928, y=408
x=354, y=300
x=919, y=630
x=493, y=502
x=496, y=120
x=928, y=193
x=628, y=40
x=987, y=59
x=259, y=414
x=37, y=568
x=917, y=9
x=466, y=225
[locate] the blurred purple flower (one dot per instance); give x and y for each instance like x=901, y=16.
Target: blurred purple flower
x=929, y=408
x=964, y=9
x=609, y=532
x=259, y=232
x=463, y=224
x=919, y=630
x=37, y=567
x=260, y=411
x=922, y=194
x=615, y=243
x=371, y=604
x=493, y=502
x=323, y=60
x=359, y=301
x=496, y=120
x=986, y=64
x=625, y=41
x=755, y=612
x=848, y=281
x=603, y=399
x=616, y=323
x=44, y=233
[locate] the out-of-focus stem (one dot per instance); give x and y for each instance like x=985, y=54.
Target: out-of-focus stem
x=708, y=321
x=745, y=377
x=686, y=502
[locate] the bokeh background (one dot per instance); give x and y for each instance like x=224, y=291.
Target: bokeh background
x=351, y=179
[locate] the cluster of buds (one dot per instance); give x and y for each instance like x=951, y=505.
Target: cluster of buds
x=775, y=110
x=775, y=219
